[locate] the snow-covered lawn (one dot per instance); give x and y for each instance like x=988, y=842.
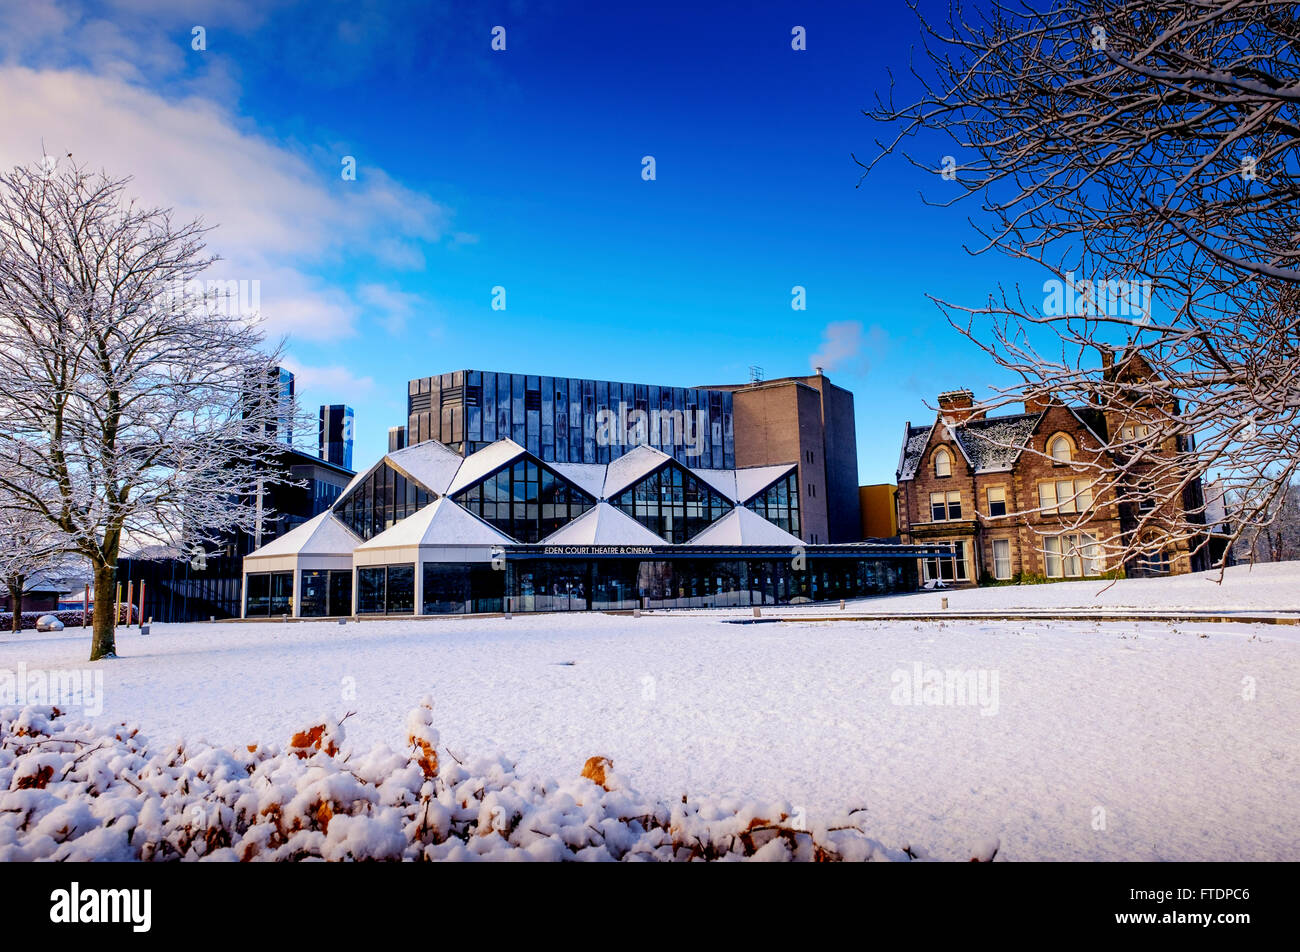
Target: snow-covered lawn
x=1101, y=741
x=1270, y=588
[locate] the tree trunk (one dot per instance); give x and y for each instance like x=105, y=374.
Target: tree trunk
x=16, y=602
x=102, y=642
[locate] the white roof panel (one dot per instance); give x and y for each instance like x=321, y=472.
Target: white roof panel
x=440, y=523
x=430, y=462
x=589, y=477
x=477, y=465
x=631, y=466
x=603, y=524
x=743, y=526
x=754, y=479
x=321, y=535
x=723, y=480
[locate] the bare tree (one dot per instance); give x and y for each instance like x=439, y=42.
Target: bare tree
x=30, y=545
x=123, y=384
x=1279, y=541
x=1144, y=153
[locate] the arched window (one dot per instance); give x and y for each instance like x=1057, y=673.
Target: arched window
x=942, y=462
x=1059, y=450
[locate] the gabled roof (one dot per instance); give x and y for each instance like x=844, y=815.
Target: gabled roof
x=429, y=463
x=442, y=522
x=589, y=477
x=631, y=467
x=914, y=444
x=487, y=460
x=993, y=444
x=321, y=535
x=743, y=526
x=603, y=524
x=721, y=480
x=754, y=479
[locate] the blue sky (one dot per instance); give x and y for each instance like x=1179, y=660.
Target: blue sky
x=522, y=169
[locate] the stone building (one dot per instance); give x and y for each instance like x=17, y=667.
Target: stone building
x=1027, y=495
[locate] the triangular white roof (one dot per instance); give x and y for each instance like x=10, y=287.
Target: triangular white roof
x=589, y=477
x=743, y=526
x=603, y=524
x=440, y=523
x=723, y=480
x=430, y=463
x=321, y=535
x=477, y=465
x=630, y=467
x=754, y=479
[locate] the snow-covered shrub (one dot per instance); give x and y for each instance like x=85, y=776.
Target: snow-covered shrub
x=70, y=791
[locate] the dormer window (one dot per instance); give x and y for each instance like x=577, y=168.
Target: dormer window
x=942, y=462
x=1059, y=450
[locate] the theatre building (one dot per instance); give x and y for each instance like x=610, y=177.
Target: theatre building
x=488, y=525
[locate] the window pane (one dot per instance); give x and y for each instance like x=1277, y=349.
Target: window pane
x=401, y=589
x=370, y=589
x=1053, y=556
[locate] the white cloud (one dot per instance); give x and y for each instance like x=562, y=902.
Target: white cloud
x=283, y=216
x=328, y=384
x=842, y=347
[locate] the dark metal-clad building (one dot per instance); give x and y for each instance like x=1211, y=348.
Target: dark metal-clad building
x=560, y=418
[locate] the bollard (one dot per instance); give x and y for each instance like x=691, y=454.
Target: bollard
x=212, y=618
x=758, y=612
x=142, y=600
x=130, y=601
x=636, y=613
x=945, y=603
x=841, y=604
x=145, y=626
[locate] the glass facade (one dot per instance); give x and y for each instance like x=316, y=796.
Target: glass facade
x=457, y=589
x=672, y=503
x=386, y=589
x=559, y=419
x=612, y=584
x=383, y=498
x=325, y=593
x=779, y=503
x=268, y=593
x=525, y=501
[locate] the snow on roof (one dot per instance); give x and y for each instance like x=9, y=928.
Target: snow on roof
x=589, y=477
x=321, y=535
x=603, y=524
x=754, y=479
x=743, y=526
x=442, y=522
x=487, y=460
x=630, y=467
x=918, y=437
x=430, y=463
x=723, y=480
x=995, y=443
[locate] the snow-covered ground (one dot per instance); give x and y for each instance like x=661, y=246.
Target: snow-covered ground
x=1268, y=588
x=1122, y=741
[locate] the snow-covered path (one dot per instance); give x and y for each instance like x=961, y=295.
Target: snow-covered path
x=1147, y=722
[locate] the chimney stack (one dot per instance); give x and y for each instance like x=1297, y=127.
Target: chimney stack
x=957, y=406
